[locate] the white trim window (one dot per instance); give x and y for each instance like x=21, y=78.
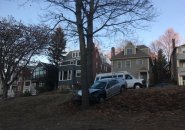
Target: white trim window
x=129, y=51
x=65, y=75
x=139, y=62
x=78, y=73
x=78, y=62
x=119, y=64
x=183, y=50
x=127, y=64
x=72, y=62
x=73, y=54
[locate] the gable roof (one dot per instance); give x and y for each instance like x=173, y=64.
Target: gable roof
x=141, y=46
x=139, y=54
x=69, y=56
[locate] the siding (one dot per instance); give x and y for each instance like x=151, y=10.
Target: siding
x=134, y=67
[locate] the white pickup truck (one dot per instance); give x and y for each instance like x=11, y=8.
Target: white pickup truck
x=132, y=82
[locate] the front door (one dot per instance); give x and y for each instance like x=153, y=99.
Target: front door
x=143, y=75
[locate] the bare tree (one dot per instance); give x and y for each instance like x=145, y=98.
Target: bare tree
x=165, y=43
x=18, y=43
x=87, y=18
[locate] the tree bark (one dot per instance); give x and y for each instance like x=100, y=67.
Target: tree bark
x=90, y=45
x=85, y=90
x=5, y=90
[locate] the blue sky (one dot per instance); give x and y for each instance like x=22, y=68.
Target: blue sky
x=171, y=15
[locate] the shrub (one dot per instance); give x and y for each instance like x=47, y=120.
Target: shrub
x=26, y=94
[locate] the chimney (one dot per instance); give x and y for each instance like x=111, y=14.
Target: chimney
x=173, y=43
x=112, y=52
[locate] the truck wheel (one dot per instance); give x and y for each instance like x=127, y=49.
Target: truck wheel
x=137, y=86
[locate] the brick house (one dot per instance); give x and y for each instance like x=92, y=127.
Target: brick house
x=133, y=59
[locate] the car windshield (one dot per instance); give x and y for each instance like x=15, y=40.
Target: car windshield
x=99, y=85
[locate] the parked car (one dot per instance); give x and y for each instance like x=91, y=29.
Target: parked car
x=132, y=82
x=103, y=89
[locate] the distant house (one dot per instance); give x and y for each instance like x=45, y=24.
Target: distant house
x=44, y=77
x=70, y=69
x=24, y=81
x=178, y=64
x=133, y=59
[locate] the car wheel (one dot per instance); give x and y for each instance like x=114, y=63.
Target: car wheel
x=137, y=86
x=122, y=89
x=101, y=99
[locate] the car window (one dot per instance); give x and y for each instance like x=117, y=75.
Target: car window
x=112, y=83
x=97, y=79
x=104, y=77
x=128, y=76
x=114, y=76
x=120, y=76
x=99, y=85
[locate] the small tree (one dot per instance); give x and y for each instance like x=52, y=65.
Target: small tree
x=159, y=70
x=18, y=44
x=57, y=47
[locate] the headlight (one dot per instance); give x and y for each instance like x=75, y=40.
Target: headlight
x=79, y=92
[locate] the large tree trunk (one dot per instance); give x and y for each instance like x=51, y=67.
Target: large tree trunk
x=85, y=90
x=90, y=45
x=5, y=90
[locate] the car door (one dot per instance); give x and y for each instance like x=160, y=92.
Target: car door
x=111, y=88
x=129, y=80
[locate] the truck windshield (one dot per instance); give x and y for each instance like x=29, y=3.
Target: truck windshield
x=99, y=85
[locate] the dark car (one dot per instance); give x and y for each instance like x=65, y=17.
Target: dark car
x=104, y=89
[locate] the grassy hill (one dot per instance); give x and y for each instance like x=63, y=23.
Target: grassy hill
x=153, y=108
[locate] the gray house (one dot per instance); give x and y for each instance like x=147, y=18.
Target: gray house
x=178, y=64
x=133, y=59
x=69, y=70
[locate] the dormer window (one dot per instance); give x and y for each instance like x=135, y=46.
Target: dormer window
x=129, y=51
x=75, y=54
x=183, y=50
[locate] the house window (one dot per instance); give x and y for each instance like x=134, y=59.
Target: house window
x=41, y=84
x=78, y=62
x=96, y=65
x=74, y=73
x=39, y=72
x=182, y=64
x=183, y=50
x=69, y=74
x=27, y=83
x=66, y=75
x=119, y=64
x=72, y=62
x=127, y=64
x=78, y=73
x=129, y=51
x=139, y=62
x=73, y=54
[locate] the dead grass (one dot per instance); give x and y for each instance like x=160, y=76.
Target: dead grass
x=153, y=108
